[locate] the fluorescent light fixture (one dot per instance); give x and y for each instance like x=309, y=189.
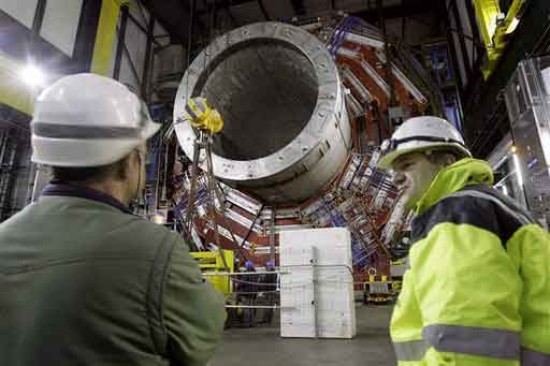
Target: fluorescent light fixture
x=517, y=167
x=505, y=190
x=32, y=76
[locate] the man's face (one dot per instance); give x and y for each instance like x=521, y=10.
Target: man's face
x=414, y=174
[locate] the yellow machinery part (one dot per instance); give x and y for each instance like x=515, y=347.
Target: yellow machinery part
x=105, y=36
x=202, y=116
x=213, y=262
x=487, y=14
x=494, y=27
x=214, y=121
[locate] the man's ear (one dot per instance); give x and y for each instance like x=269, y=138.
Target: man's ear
x=124, y=166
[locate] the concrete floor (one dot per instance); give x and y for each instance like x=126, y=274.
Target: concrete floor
x=263, y=346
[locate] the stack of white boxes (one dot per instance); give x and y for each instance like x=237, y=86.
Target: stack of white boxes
x=317, y=284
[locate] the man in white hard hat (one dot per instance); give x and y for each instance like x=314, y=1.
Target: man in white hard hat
x=82, y=280
x=477, y=291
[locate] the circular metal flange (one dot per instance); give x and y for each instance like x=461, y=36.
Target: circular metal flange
x=326, y=130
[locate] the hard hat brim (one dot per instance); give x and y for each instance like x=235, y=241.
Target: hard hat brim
x=150, y=130
x=79, y=153
x=386, y=162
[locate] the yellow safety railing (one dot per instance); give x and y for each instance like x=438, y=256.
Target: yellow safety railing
x=106, y=33
x=213, y=262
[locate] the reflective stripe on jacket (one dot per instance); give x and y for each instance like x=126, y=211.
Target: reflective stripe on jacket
x=477, y=291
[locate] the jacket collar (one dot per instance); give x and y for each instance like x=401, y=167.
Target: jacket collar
x=453, y=178
x=59, y=188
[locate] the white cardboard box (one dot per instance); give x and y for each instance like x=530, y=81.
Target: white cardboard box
x=317, y=284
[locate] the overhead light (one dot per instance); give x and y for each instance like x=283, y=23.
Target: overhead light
x=33, y=76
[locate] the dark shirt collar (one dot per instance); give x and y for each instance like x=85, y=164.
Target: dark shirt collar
x=59, y=188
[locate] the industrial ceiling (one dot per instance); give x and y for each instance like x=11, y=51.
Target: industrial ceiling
x=199, y=17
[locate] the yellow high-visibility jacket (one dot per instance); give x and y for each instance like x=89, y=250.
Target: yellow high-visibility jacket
x=477, y=290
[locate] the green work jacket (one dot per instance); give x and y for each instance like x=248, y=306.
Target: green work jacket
x=85, y=282
x=477, y=290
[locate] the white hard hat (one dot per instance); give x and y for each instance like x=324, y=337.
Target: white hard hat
x=87, y=120
x=421, y=134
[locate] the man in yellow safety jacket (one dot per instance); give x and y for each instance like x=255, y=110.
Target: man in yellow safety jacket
x=477, y=290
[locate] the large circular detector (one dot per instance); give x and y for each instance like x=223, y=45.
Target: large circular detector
x=286, y=131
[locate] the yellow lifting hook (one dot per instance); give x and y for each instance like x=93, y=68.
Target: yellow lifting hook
x=202, y=116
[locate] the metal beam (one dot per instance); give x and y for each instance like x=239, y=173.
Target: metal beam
x=478, y=49
x=454, y=56
x=148, y=60
x=121, y=35
x=38, y=17
x=524, y=43
x=473, y=21
x=138, y=24
x=132, y=66
x=460, y=34
x=86, y=35
x=142, y=13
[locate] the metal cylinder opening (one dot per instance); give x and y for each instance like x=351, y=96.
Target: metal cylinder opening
x=286, y=133
x=266, y=91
